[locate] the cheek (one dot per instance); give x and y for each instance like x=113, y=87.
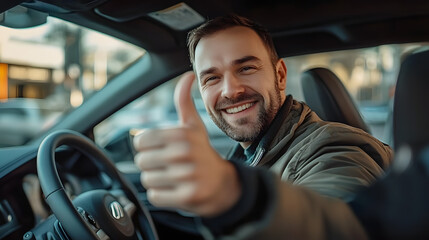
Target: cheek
x=267, y=89
x=209, y=97
x=261, y=81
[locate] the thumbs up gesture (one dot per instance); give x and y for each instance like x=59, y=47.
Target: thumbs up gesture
x=179, y=167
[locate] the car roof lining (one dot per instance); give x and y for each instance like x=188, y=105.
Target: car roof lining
x=335, y=24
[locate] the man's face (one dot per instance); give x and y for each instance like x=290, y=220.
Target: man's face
x=241, y=89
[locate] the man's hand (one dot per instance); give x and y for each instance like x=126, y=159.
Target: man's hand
x=179, y=167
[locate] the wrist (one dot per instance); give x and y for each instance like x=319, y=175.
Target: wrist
x=244, y=209
x=229, y=191
x=233, y=186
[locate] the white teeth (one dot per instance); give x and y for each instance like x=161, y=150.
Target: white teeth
x=239, y=108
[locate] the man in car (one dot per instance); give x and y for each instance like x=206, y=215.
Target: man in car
x=285, y=152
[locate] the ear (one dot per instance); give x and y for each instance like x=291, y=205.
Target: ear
x=281, y=72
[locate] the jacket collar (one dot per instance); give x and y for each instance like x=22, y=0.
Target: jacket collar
x=265, y=139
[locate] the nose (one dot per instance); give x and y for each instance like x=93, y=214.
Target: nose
x=232, y=86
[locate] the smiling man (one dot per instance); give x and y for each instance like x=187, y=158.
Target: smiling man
x=285, y=152
x=240, y=85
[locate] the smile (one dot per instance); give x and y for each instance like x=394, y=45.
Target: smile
x=239, y=108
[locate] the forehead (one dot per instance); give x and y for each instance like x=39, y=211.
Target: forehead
x=223, y=47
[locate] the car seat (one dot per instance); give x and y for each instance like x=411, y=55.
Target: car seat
x=396, y=207
x=325, y=94
x=410, y=111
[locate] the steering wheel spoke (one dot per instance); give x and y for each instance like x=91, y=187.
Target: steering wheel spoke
x=95, y=227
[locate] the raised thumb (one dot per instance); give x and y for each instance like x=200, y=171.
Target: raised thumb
x=185, y=107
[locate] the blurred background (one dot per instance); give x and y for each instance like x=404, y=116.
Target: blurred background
x=48, y=70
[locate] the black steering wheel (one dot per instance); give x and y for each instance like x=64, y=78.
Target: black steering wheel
x=95, y=214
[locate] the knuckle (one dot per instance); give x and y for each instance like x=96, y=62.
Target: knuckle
x=180, y=152
x=143, y=180
x=186, y=134
x=151, y=179
x=152, y=196
x=138, y=159
x=190, y=195
x=142, y=161
x=181, y=172
x=136, y=142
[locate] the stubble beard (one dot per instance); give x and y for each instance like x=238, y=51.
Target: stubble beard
x=263, y=118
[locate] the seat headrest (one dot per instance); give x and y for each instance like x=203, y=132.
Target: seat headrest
x=326, y=95
x=411, y=110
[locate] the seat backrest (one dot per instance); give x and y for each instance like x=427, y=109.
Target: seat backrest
x=326, y=95
x=411, y=110
x=396, y=206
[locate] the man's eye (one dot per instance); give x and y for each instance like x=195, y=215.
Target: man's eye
x=211, y=78
x=247, y=69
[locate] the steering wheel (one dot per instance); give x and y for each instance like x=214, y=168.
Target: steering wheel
x=95, y=214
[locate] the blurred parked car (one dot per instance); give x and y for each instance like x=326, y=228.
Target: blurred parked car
x=22, y=119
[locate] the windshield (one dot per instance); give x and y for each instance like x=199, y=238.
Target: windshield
x=47, y=70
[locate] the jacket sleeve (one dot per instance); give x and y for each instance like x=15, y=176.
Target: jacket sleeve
x=286, y=211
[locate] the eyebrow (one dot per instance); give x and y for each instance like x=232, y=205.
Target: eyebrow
x=245, y=59
x=235, y=62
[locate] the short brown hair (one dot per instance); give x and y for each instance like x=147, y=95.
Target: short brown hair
x=228, y=21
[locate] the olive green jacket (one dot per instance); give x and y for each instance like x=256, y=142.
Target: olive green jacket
x=314, y=168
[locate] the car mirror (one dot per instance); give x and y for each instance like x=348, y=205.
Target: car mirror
x=22, y=17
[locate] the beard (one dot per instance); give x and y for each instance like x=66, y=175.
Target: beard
x=264, y=116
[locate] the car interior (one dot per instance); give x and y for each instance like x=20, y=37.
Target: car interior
x=47, y=181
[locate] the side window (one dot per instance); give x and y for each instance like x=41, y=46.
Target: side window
x=48, y=70
x=152, y=110
x=368, y=74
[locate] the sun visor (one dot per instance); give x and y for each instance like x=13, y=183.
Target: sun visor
x=178, y=17
x=22, y=17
